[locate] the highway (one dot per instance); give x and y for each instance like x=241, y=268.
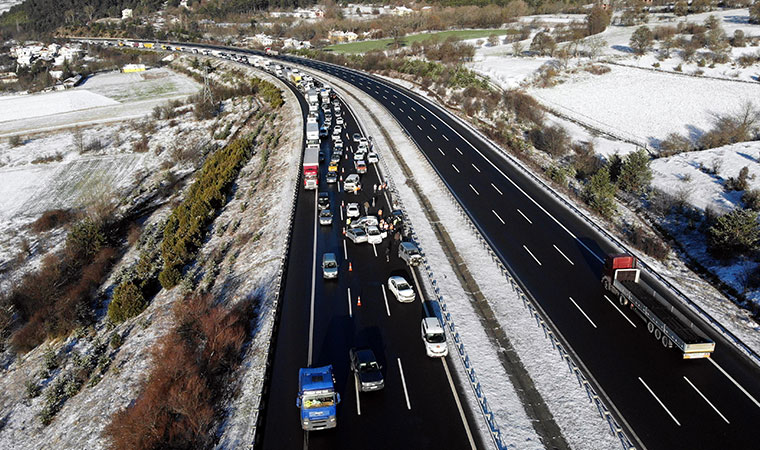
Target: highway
x=663, y=401
x=667, y=402
x=417, y=408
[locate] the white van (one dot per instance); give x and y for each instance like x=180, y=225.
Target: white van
x=434, y=338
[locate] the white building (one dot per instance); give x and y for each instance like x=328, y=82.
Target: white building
x=126, y=14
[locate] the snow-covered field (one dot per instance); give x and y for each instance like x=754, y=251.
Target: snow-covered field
x=102, y=98
x=685, y=175
x=22, y=107
x=643, y=105
x=5, y=5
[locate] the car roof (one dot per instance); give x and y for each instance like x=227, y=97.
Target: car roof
x=432, y=324
x=398, y=279
x=324, y=194
x=364, y=354
x=329, y=257
x=409, y=245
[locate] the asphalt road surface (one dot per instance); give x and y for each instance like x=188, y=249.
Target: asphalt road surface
x=417, y=408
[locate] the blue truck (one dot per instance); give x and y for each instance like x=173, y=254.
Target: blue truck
x=317, y=398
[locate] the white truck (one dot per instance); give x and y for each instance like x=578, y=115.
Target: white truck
x=312, y=96
x=312, y=131
x=668, y=325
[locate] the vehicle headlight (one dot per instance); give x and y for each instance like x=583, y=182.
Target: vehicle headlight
x=305, y=422
x=332, y=419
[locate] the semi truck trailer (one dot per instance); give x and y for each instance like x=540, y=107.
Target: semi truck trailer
x=673, y=329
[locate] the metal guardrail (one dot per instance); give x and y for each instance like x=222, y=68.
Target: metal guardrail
x=488, y=415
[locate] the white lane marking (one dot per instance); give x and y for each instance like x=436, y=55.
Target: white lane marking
x=455, y=168
x=401, y=110
x=341, y=208
x=705, y=399
x=582, y=312
x=620, y=311
x=498, y=216
x=403, y=383
x=429, y=139
x=560, y=252
x=356, y=388
x=408, y=117
x=419, y=127
x=476, y=168
x=423, y=117
x=444, y=136
x=599, y=258
x=660, y=402
x=385, y=297
x=403, y=101
x=735, y=382
x=374, y=249
x=460, y=151
x=350, y=308
x=439, y=149
x=459, y=404
x=433, y=126
x=395, y=96
x=474, y=190
x=385, y=97
x=313, y=282
x=524, y=216
x=497, y=189
x=345, y=252
x=393, y=103
x=413, y=109
x=532, y=255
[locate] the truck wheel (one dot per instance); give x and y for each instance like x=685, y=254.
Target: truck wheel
x=667, y=343
x=622, y=300
x=606, y=284
x=657, y=334
x=650, y=327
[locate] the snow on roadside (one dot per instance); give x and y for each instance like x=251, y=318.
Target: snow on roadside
x=578, y=419
x=37, y=105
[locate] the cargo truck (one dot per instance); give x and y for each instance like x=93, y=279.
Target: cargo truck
x=317, y=398
x=312, y=131
x=312, y=96
x=311, y=168
x=622, y=277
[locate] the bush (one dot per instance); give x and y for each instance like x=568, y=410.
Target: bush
x=50, y=219
x=585, y=162
x=525, y=107
x=739, y=183
x=674, y=144
x=599, y=193
x=751, y=199
x=553, y=140
x=188, y=222
x=641, y=39
x=15, y=141
x=734, y=233
x=740, y=126
x=127, y=302
x=635, y=174
x=180, y=400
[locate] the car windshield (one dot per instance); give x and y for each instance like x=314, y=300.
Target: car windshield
x=368, y=366
x=435, y=338
x=325, y=213
x=331, y=264
x=373, y=231
x=403, y=286
x=318, y=401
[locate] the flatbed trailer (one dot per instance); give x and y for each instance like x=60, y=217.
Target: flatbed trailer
x=664, y=321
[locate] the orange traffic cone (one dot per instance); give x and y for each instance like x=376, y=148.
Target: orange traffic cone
x=344, y=233
x=350, y=268
x=358, y=301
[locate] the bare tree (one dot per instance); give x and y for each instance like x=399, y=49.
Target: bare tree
x=595, y=45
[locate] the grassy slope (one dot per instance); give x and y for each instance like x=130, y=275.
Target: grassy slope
x=381, y=44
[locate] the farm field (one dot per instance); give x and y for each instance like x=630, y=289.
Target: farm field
x=382, y=44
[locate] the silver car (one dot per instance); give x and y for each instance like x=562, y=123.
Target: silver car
x=357, y=235
x=401, y=289
x=325, y=217
x=329, y=266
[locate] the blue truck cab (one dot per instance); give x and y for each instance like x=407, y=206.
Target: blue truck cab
x=317, y=398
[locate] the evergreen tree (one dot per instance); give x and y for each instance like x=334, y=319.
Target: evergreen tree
x=635, y=174
x=600, y=193
x=734, y=233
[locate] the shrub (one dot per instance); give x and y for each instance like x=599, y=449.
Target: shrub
x=674, y=144
x=50, y=219
x=734, y=233
x=740, y=126
x=553, y=140
x=15, y=141
x=127, y=302
x=635, y=174
x=641, y=39
x=525, y=107
x=599, y=193
x=751, y=199
x=739, y=183
x=585, y=162
x=597, y=20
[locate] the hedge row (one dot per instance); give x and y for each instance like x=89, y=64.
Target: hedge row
x=188, y=223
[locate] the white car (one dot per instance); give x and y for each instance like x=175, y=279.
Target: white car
x=364, y=141
x=401, y=289
x=351, y=183
x=365, y=221
x=338, y=144
x=352, y=210
x=434, y=338
x=372, y=157
x=339, y=120
x=338, y=130
x=357, y=235
x=375, y=236
x=359, y=155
